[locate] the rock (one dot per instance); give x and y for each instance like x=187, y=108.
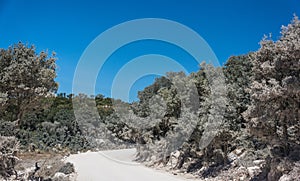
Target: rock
x=253, y=171
x=294, y=174
x=235, y=154
x=174, y=158
x=60, y=177
x=238, y=151
x=67, y=168
x=242, y=178
x=232, y=156
x=203, y=169
x=153, y=158
x=176, y=154
x=49, y=166
x=285, y=177
x=259, y=162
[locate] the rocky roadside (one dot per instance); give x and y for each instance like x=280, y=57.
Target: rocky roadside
x=43, y=166
x=242, y=167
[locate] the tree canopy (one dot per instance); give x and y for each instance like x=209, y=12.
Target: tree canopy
x=25, y=76
x=275, y=89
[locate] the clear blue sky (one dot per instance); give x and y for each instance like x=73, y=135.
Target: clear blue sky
x=230, y=27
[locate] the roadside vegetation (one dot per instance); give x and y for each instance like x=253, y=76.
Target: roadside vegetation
x=257, y=135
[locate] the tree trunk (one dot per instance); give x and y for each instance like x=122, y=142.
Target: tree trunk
x=285, y=136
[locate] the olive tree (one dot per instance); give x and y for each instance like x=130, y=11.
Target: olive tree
x=25, y=76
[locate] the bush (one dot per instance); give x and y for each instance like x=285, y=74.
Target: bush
x=9, y=147
x=7, y=128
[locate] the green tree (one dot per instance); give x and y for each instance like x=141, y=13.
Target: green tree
x=275, y=91
x=25, y=76
x=237, y=72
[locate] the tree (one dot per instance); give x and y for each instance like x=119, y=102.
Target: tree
x=25, y=77
x=174, y=111
x=237, y=72
x=275, y=91
x=142, y=108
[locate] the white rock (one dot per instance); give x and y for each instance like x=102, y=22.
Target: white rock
x=242, y=170
x=176, y=154
x=232, y=156
x=174, y=159
x=253, y=171
x=59, y=175
x=242, y=178
x=239, y=151
x=202, y=169
x=285, y=177
x=153, y=158
x=259, y=162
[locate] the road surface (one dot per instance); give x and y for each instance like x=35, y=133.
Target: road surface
x=116, y=165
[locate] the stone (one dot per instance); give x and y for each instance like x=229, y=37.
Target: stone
x=67, y=168
x=59, y=175
x=252, y=171
x=259, y=162
x=232, y=156
x=235, y=154
x=239, y=151
x=242, y=178
x=176, y=154
x=285, y=177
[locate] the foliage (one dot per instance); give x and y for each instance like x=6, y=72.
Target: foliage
x=104, y=106
x=275, y=90
x=273, y=115
x=25, y=76
x=67, y=168
x=142, y=108
x=210, y=120
x=238, y=72
x=9, y=148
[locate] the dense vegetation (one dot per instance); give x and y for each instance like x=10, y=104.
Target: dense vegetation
x=201, y=128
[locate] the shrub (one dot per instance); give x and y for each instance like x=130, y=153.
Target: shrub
x=9, y=147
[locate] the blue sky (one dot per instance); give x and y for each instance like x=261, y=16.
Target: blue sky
x=230, y=27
